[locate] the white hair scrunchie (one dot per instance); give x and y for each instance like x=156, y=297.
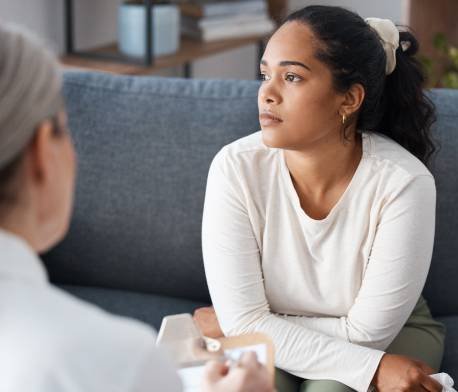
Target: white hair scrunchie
x=389, y=35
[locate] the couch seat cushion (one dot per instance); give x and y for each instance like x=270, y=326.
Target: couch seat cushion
x=148, y=308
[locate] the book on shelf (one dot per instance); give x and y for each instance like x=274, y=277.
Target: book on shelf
x=209, y=22
x=215, y=33
x=212, y=28
x=209, y=8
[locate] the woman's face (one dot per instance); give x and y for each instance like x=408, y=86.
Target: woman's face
x=297, y=103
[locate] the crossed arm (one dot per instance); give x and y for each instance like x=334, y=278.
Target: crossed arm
x=347, y=349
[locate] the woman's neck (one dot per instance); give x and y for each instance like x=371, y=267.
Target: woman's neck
x=17, y=221
x=327, y=164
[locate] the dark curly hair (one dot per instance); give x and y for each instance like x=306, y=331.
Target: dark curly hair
x=394, y=105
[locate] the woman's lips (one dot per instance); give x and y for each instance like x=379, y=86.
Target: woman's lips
x=268, y=119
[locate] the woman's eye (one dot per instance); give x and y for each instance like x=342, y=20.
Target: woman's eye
x=263, y=76
x=292, y=78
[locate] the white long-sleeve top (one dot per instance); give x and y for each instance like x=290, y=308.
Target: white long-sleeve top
x=331, y=293
x=52, y=342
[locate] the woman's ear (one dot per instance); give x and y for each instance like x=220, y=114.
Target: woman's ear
x=39, y=153
x=353, y=99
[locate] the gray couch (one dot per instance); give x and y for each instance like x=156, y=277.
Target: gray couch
x=144, y=147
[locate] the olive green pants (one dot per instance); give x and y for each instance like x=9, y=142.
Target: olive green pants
x=421, y=338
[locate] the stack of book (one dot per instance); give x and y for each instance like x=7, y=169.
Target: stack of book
x=212, y=20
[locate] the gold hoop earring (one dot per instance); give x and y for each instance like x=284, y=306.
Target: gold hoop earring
x=344, y=119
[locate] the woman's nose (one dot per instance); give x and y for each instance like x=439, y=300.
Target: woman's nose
x=269, y=95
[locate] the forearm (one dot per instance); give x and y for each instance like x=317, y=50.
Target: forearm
x=334, y=327
x=368, y=329
x=312, y=355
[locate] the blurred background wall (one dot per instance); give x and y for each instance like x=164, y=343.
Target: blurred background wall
x=96, y=24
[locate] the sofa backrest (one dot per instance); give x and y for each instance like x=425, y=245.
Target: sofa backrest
x=145, y=145
x=441, y=289
x=144, y=148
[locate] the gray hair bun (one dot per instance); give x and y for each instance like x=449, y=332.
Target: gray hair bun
x=30, y=89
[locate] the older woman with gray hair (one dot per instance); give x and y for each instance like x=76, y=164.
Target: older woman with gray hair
x=49, y=340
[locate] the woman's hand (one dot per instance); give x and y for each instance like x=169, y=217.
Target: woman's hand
x=207, y=322
x=400, y=373
x=247, y=376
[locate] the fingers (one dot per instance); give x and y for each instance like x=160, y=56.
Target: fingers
x=249, y=359
x=204, y=310
x=202, y=313
x=247, y=375
x=425, y=368
x=251, y=375
x=207, y=321
x=430, y=384
x=215, y=370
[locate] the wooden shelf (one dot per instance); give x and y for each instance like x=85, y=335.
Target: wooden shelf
x=189, y=51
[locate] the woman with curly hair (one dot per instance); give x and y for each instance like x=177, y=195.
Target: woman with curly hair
x=318, y=230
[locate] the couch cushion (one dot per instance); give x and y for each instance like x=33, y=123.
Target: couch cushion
x=442, y=288
x=145, y=145
x=148, y=308
x=450, y=361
